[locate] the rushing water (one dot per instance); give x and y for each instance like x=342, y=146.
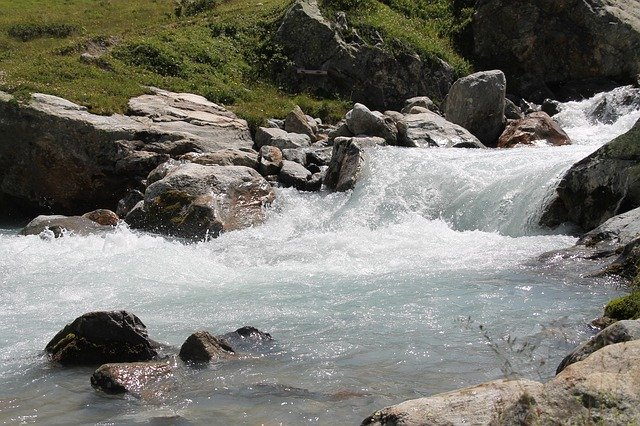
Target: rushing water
x=421, y=280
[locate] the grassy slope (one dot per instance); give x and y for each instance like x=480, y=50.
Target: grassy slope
x=223, y=53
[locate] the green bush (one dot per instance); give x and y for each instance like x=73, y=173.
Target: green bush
x=347, y=5
x=626, y=307
x=152, y=57
x=27, y=32
x=193, y=7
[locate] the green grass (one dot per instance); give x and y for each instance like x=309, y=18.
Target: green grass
x=220, y=49
x=623, y=308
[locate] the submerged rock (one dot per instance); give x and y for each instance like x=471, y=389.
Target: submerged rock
x=599, y=186
x=55, y=155
x=477, y=102
x=536, y=127
x=201, y=346
x=428, y=129
x=195, y=201
x=102, y=337
x=60, y=225
x=130, y=377
x=603, y=388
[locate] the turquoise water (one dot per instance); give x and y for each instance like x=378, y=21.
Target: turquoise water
x=421, y=280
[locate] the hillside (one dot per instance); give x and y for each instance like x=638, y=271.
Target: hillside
x=100, y=53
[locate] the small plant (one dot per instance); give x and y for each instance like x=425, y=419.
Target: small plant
x=193, y=7
x=30, y=31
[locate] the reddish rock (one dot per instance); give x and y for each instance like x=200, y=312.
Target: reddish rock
x=103, y=217
x=537, y=126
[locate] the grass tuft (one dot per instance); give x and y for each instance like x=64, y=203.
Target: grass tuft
x=31, y=31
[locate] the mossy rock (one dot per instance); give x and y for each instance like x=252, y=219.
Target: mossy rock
x=626, y=307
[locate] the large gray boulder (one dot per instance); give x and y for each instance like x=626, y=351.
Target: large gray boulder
x=347, y=162
x=538, y=42
x=428, y=129
x=621, y=331
x=604, y=388
x=600, y=186
x=196, y=201
x=102, y=337
x=361, y=121
x=476, y=102
x=57, y=156
x=375, y=75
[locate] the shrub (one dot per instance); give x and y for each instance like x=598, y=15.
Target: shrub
x=346, y=5
x=152, y=57
x=27, y=32
x=626, y=307
x=193, y=7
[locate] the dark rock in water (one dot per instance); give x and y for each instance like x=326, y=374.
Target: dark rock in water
x=540, y=42
x=131, y=377
x=347, y=162
x=224, y=157
x=103, y=217
x=129, y=201
x=512, y=111
x=377, y=75
x=61, y=225
x=428, y=129
x=270, y=160
x=621, y=331
x=477, y=102
x=550, y=107
x=536, y=127
x=102, y=337
x=296, y=175
x=363, y=122
x=614, y=105
x=56, y=156
x=599, y=186
x=196, y=202
x=250, y=340
x=201, y=346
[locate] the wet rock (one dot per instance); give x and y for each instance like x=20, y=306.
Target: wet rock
x=297, y=122
x=603, y=388
x=347, y=162
x=535, y=128
x=362, y=121
x=63, y=225
x=103, y=217
x=428, y=129
x=614, y=104
x=270, y=160
x=102, y=337
x=526, y=38
x=476, y=102
x=201, y=346
x=224, y=157
x=599, y=186
x=374, y=74
x=55, y=155
x=512, y=111
x=126, y=204
x=621, y=331
x=195, y=201
x=131, y=377
x=296, y=175
x=550, y=107
x=250, y=340
x=280, y=139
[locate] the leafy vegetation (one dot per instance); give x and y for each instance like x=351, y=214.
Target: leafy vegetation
x=220, y=49
x=626, y=307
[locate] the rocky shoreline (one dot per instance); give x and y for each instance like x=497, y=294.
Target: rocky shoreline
x=182, y=166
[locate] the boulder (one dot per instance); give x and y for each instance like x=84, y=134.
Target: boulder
x=428, y=129
x=476, y=102
x=341, y=130
x=535, y=128
x=419, y=101
x=621, y=331
x=362, y=121
x=59, y=225
x=600, y=186
x=270, y=160
x=511, y=110
x=195, y=201
x=604, y=388
x=320, y=156
x=295, y=175
x=297, y=155
x=224, y=157
x=57, y=156
x=334, y=61
x=347, y=162
x=297, y=122
x=550, y=106
x=103, y=217
x=280, y=138
x=201, y=346
x=614, y=104
x=546, y=42
x=126, y=204
x=102, y=337
x=130, y=377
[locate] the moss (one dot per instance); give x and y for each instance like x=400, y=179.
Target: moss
x=626, y=307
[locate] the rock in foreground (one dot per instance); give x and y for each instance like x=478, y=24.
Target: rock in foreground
x=604, y=388
x=131, y=377
x=100, y=338
x=202, y=346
